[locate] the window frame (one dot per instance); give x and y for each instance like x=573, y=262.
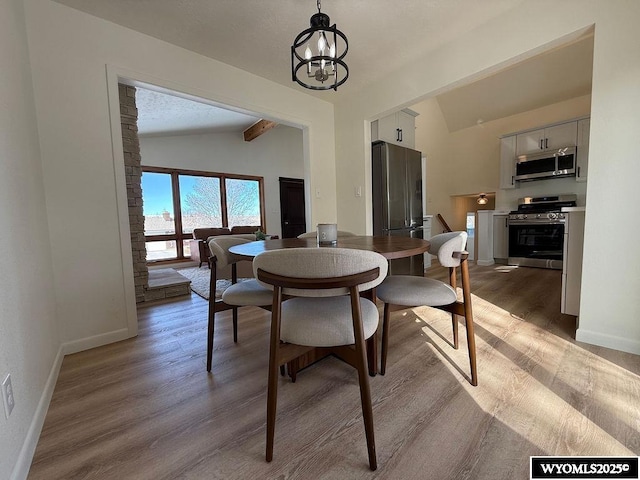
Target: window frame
x=179, y=237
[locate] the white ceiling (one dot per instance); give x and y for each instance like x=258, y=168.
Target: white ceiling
x=548, y=78
x=256, y=36
x=164, y=114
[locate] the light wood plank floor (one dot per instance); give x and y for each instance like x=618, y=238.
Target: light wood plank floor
x=146, y=408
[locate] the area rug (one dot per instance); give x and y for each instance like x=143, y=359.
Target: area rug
x=200, y=278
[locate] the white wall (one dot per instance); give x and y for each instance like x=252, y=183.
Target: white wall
x=74, y=57
x=28, y=332
x=609, y=305
x=276, y=153
x=70, y=259
x=467, y=161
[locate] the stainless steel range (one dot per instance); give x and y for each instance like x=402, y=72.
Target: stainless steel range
x=536, y=231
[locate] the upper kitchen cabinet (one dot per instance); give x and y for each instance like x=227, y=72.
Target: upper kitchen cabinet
x=398, y=128
x=507, y=162
x=582, y=150
x=549, y=138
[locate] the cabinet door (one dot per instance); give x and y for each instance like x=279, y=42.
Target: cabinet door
x=388, y=129
x=500, y=237
x=507, y=162
x=560, y=136
x=530, y=142
x=582, y=150
x=407, y=126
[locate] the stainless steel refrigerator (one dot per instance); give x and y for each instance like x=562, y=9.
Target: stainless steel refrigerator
x=397, y=199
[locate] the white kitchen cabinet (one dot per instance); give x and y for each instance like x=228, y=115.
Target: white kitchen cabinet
x=572, y=262
x=500, y=238
x=507, y=162
x=398, y=128
x=549, y=138
x=582, y=150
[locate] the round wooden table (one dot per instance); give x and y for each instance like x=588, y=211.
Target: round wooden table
x=389, y=247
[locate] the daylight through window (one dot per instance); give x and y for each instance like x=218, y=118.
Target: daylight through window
x=175, y=202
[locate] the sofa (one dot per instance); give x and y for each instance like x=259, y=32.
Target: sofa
x=200, y=248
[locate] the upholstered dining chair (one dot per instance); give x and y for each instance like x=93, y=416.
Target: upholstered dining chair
x=324, y=309
x=239, y=294
x=412, y=291
x=314, y=234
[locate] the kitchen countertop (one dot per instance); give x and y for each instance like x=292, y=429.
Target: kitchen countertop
x=573, y=209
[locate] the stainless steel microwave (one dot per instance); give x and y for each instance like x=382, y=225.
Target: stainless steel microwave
x=551, y=164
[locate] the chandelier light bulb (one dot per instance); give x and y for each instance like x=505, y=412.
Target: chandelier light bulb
x=307, y=53
x=332, y=50
x=322, y=43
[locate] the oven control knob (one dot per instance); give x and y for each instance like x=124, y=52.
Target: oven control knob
x=552, y=215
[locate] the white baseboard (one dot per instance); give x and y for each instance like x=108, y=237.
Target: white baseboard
x=608, y=341
x=23, y=463
x=96, y=341
x=485, y=263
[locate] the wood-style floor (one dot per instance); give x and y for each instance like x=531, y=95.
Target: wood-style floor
x=146, y=408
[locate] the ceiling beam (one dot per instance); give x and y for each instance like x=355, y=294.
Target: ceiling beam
x=257, y=129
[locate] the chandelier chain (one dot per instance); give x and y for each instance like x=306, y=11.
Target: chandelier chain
x=318, y=6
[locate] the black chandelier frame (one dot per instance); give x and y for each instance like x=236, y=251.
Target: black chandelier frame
x=319, y=24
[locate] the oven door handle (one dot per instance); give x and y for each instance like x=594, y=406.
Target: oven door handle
x=516, y=223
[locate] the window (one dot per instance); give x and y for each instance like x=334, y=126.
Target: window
x=177, y=201
x=201, y=202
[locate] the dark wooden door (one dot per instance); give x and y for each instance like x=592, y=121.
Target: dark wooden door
x=292, y=215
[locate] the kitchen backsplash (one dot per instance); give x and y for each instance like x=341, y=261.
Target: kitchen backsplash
x=508, y=199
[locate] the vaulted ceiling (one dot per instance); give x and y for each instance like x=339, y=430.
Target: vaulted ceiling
x=256, y=36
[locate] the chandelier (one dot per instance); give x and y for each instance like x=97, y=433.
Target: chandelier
x=316, y=61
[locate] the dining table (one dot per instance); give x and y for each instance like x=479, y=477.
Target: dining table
x=391, y=247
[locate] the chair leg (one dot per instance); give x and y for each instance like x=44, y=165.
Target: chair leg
x=212, y=311
x=454, y=319
x=272, y=401
x=471, y=341
x=274, y=357
x=468, y=316
x=210, y=331
x=372, y=354
x=365, y=391
x=454, y=325
x=235, y=324
x=385, y=339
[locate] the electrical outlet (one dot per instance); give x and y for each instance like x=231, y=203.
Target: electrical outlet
x=7, y=396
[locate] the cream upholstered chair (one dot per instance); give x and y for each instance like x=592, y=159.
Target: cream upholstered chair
x=324, y=309
x=314, y=234
x=412, y=291
x=245, y=293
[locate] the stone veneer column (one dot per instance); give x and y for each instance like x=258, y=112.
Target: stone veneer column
x=133, y=173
